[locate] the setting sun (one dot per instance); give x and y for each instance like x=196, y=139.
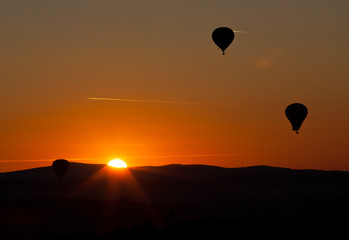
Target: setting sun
x=117, y=163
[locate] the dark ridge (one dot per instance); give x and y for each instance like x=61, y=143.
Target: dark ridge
x=82, y=170
x=172, y=202
x=76, y=170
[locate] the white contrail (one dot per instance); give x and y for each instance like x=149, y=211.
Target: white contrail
x=155, y=101
x=237, y=31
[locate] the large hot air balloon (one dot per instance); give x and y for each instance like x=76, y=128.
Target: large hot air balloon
x=296, y=113
x=223, y=37
x=60, y=166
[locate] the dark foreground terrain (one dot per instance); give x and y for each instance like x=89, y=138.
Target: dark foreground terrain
x=174, y=202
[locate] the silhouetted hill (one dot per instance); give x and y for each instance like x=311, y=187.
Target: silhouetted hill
x=82, y=170
x=172, y=200
x=156, y=181
x=76, y=171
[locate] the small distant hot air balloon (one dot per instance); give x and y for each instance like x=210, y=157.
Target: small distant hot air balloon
x=60, y=166
x=296, y=113
x=223, y=37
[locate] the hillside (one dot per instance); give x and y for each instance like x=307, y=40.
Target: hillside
x=170, y=196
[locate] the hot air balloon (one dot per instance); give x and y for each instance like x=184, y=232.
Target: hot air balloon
x=60, y=166
x=296, y=113
x=223, y=37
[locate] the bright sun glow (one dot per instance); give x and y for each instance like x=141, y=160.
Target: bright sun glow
x=117, y=163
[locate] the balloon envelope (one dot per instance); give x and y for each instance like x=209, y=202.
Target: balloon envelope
x=60, y=166
x=296, y=113
x=223, y=37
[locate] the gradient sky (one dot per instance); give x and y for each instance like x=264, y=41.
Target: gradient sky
x=55, y=54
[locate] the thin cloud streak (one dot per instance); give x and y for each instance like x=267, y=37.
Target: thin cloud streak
x=155, y=101
x=189, y=155
x=237, y=31
x=27, y=160
x=82, y=160
x=135, y=157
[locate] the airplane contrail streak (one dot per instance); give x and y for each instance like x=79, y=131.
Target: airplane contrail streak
x=155, y=101
x=237, y=31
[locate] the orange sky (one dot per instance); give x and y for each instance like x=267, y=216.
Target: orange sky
x=57, y=54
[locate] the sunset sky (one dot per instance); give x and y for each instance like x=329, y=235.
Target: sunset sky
x=190, y=104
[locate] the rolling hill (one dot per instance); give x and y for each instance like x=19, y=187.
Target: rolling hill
x=174, y=196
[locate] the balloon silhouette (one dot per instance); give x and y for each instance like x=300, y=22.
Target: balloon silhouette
x=60, y=166
x=223, y=37
x=296, y=113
